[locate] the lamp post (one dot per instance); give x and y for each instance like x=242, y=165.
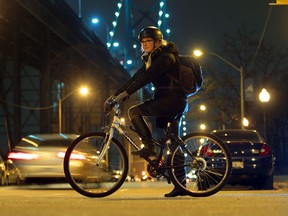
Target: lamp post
x=82, y=91
x=97, y=21
x=241, y=72
x=264, y=97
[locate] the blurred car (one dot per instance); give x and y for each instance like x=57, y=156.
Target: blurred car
x=40, y=156
x=2, y=171
x=252, y=158
x=12, y=174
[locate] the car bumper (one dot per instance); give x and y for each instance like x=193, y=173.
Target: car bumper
x=251, y=169
x=47, y=171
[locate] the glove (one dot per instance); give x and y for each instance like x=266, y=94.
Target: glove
x=109, y=103
x=121, y=97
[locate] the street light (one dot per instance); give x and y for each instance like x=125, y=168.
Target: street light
x=97, y=21
x=264, y=97
x=202, y=107
x=83, y=91
x=239, y=69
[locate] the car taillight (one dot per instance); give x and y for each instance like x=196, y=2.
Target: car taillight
x=207, y=151
x=72, y=156
x=22, y=156
x=265, y=150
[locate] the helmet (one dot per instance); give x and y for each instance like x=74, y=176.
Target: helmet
x=150, y=32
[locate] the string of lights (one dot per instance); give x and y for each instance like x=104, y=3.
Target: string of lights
x=162, y=18
x=114, y=24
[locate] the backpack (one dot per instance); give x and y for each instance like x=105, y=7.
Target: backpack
x=190, y=74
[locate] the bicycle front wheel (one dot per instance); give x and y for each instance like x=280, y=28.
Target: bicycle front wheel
x=202, y=166
x=89, y=176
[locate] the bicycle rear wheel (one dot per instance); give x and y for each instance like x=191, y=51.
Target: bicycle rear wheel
x=202, y=166
x=89, y=177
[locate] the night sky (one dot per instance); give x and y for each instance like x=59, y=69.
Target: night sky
x=201, y=23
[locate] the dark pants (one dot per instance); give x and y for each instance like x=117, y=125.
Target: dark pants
x=165, y=109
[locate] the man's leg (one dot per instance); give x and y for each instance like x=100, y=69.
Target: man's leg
x=180, y=172
x=136, y=118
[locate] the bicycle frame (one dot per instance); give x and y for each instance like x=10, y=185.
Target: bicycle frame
x=116, y=124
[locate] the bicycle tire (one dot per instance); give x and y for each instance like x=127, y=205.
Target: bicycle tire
x=202, y=166
x=85, y=175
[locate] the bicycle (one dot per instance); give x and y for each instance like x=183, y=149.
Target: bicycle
x=96, y=164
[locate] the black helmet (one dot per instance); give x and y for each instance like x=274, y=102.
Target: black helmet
x=150, y=32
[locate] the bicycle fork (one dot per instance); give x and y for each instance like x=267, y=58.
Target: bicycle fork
x=110, y=134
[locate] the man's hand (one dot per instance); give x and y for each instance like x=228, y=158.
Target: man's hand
x=108, y=104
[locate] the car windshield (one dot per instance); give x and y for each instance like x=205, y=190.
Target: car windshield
x=238, y=136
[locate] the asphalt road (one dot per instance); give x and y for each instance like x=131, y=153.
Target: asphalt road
x=139, y=199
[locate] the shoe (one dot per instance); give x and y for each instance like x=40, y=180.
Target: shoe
x=175, y=192
x=146, y=151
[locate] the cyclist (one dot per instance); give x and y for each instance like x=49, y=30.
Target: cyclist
x=167, y=104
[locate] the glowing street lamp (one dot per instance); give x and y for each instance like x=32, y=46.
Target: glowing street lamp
x=245, y=122
x=202, y=127
x=240, y=70
x=83, y=91
x=202, y=107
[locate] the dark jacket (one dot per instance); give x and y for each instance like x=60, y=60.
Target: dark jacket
x=163, y=62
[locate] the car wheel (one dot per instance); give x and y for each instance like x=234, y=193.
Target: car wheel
x=7, y=181
x=2, y=180
x=18, y=181
x=266, y=183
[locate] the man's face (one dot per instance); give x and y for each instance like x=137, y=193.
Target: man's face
x=147, y=44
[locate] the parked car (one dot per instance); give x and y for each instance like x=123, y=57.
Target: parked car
x=2, y=171
x=252, y=158
x=40, y=156
x=12, y=174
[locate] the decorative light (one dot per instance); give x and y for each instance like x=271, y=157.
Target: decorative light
x=95, y=20
x=116, y=44
x=114, y=23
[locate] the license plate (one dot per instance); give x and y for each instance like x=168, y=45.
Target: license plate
x=237, y=164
